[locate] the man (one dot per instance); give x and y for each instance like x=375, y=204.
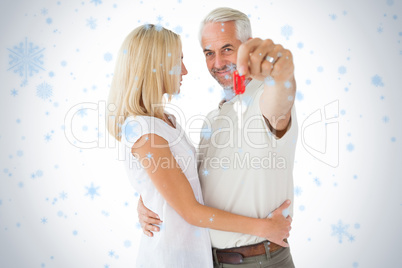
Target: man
x=247, y=145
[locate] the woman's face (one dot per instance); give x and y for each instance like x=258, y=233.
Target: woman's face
x=183, y=70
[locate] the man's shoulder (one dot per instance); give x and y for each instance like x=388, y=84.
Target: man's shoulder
x=211, y=114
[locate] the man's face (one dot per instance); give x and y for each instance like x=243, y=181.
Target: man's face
x=220, y=46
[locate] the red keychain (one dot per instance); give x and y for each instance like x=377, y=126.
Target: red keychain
x=238, y=83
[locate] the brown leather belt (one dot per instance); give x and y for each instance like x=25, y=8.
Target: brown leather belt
x=236, y=255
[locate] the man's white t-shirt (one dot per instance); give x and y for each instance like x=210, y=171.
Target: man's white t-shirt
x=242, y=166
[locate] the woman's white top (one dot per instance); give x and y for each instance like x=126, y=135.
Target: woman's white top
x=178, y=244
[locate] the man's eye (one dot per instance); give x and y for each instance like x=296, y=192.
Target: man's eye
x=208, y=54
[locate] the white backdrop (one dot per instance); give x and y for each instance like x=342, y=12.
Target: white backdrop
x=65, y=200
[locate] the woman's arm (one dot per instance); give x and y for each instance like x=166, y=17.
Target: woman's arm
x=153, y=152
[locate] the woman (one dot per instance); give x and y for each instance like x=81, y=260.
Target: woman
x=150, y=65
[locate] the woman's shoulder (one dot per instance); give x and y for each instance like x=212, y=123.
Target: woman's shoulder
x=136, y=126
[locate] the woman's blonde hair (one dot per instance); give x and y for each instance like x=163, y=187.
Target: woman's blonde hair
x=147, y=67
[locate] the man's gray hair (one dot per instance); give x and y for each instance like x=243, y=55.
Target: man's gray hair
x=224, y=14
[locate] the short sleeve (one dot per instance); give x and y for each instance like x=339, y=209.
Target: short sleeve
x=292, y=131
x=134, y=128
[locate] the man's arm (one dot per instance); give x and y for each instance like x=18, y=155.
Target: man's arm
x=148, y=219
x=265, y=61
x=172, y=184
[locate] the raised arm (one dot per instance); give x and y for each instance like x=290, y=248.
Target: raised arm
x=172, y=184
x=265, y=61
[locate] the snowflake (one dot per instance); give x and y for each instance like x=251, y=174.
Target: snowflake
x=377, y=81
x=39, y=173
x=231, y=67
x=158, y=27
x=285, y=212
x=108, y=57
x=44, y=91
x=288, y=84
x=131, y=130
x=92, y=191
x=63, y=195
x=159, y=18
x=299, y=96
x=341, y=230
x=147, y=26
x=287, y=31
x=205, y=172
x=26, y=60
x=351, y=238
x=211, y=219
x=342, y=70
x=43, y=220
x=333, y=16
x=149, y=155
x=91, y=23
x=127, y=243
x=300, y=45
x=206, y=133
x=48, y=137
x=105, y=213
x=176, y=70
x=385, y=119
x=298, y=191
x=43, y=11
x=269, y=80
x=82, y=112
x=178, y=29
x=380, y=29
x=96, y=2
x=317, y=181
x=350, y=147
x=14, y=92
x=111, y=253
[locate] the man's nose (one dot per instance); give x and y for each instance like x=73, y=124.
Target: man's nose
x=219, y=62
